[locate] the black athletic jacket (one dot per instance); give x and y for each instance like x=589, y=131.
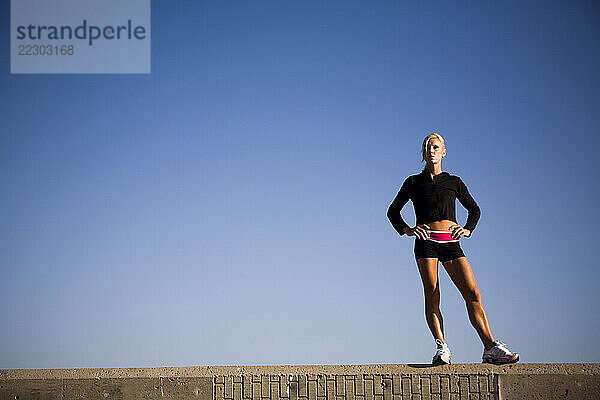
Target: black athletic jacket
x=433, y=200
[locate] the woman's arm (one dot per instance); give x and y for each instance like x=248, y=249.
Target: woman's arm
x=394, y=209
x=464, y=197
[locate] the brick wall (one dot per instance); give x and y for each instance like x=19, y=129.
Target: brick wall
x=362, y=387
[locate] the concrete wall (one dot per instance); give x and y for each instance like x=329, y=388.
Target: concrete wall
x=318, y=382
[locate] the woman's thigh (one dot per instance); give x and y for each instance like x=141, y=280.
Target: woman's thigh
x=461, y=274
x=429, y=274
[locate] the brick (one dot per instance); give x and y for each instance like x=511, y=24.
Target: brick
x=483, y=385
x=436, y=396
x=247, y=383
x=256, y=390
x=454, y=384
x=359, y=385
x=396, y=385
x=455, y=396
x=237, y=379
x=339, y=385
x=302, y=386
x=445, y=395
x=312, y=390
x=368, y=389
x=293, y=390
x=378, y=397
x=311, y=377
x=426, y=388
x=473, y=384
x=274, y=390
x=264, y=386
x=387, y=388
x=493, y=383
x=396, y=397
x=444, y=384
x=321, y=386
x=237, y=390
x=377, y=385
x=220, y=379
x=473, y=396
x=435, y=383
x=229, y=387
x=464, y=387
x=283, y=386
x=330, y=388
x=349, y=386
x=406, y=388
x=220, y=391
x=415, y=384
x=415, y=397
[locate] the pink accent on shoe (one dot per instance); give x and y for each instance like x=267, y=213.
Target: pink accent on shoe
x=499, y=354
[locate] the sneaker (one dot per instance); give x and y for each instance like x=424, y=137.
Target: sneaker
x=442, y=355
x=499, y=354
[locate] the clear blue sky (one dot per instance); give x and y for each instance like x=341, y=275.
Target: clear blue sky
x=230, y=207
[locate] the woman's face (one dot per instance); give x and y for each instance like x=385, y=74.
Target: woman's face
x=435, y=151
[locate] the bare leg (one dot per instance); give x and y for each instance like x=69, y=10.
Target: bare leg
x=431, y=289
x=461, y=274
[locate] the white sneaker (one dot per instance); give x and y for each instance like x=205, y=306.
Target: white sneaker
x=442, y=355
x=499, y=354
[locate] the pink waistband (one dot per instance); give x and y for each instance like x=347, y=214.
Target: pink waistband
x=441, y=236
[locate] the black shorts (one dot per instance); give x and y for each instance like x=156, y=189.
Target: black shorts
x=442, y=251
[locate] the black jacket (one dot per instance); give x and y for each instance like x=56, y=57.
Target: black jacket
x=433, y=200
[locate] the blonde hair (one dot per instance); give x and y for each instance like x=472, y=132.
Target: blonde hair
x=426, y=141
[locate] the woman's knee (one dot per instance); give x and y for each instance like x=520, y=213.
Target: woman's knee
x=432, y=296
x=472, y=295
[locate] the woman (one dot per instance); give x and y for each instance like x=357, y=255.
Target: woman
x=437, y=233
